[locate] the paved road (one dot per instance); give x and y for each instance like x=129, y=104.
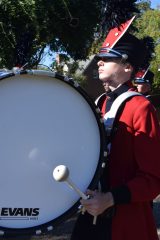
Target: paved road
x=156, y=212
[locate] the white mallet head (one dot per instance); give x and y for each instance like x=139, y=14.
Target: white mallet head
x=60, y=173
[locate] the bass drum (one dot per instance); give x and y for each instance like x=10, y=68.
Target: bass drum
x=46, y=120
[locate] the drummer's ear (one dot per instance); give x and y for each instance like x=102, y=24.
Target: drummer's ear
x=128, y=67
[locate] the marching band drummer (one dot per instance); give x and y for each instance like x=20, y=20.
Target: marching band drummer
x=131, y=179
x=144, y=80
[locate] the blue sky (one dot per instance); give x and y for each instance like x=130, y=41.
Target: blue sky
x=154, y=3
x=48, y=58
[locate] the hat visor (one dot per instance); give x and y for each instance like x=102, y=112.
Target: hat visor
x=100, y=56
x=140, y=81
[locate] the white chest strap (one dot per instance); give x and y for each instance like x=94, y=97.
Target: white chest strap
x=99, y=98
x=110, y=116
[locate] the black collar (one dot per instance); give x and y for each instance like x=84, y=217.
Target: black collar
x=111, y=96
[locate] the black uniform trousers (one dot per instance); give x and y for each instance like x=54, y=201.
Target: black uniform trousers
x=85, y=229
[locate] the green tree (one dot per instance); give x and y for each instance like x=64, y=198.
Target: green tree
x=19, y=38
x=28, y=26
x=149, y=25
x=144, y=5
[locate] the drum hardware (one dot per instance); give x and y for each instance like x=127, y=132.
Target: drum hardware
x=61, y=174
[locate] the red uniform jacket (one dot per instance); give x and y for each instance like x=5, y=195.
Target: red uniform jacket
x=132, y=174
x=134, y=162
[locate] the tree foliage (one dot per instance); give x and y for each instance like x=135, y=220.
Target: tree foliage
x=144, y=5
x=19, y=38
x=148, y=24
x=28, y=26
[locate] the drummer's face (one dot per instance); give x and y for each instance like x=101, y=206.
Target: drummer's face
x=113, y=71
x=143, y=88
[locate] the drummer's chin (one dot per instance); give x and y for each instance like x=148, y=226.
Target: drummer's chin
x=103, y=78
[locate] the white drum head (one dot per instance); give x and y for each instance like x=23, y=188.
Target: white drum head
x=45, y=122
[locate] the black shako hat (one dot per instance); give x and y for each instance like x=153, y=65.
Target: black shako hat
x=123, y=45
x=144, y=76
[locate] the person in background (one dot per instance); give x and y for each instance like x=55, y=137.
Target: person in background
x=131, y=178
x=143, y=81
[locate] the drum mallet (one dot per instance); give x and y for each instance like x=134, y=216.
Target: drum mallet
x=61, y=174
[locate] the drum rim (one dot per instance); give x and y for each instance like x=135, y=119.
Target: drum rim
x=50, y=226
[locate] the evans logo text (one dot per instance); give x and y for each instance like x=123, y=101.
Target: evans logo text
x=19, y=212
